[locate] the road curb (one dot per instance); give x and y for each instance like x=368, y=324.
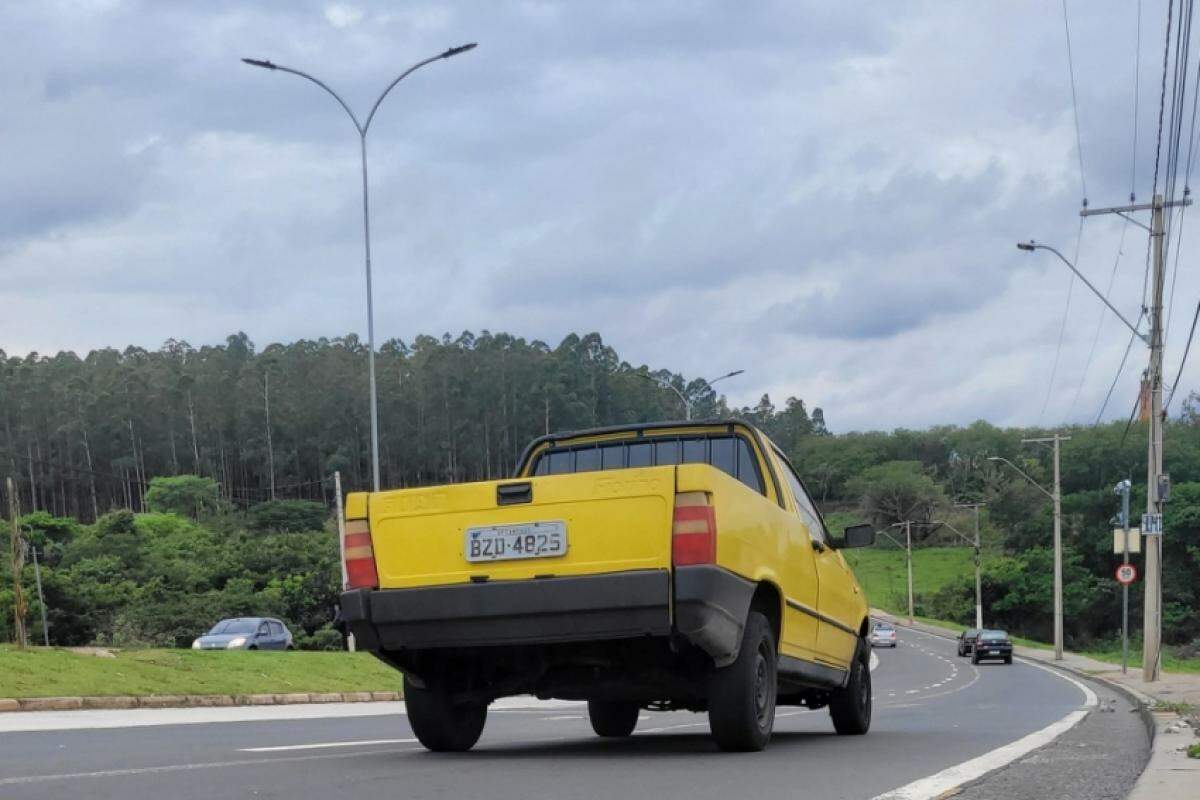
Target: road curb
x=15, y=704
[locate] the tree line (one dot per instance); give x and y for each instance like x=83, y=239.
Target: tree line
x=103, y=446
x=85, y=435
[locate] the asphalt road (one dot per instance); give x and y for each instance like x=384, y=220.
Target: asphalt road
x=933, y=711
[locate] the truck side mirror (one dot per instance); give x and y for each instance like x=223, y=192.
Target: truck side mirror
x=856, y=536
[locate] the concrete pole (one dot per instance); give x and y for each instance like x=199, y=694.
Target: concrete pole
x=1152, y=622
x=1124, y=487
x=908, y=549
x=978, y=577
x=341, y=527
x=1058, y=585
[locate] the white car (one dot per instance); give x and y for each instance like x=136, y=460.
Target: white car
x=883, y=635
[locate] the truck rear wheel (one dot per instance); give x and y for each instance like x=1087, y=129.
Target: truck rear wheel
x=614, y=720
x=741, y=697
x=440, y=725
x=851, y=707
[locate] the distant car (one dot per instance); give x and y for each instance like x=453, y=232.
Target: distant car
x=246, y=633
x=966, y=641
x=992, y=645
x=883, y=635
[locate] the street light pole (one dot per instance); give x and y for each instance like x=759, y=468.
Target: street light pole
x=1122, y=489
x=362, y=129
x=908, y=558
x=683, y=398
x=978, y=562
x=1056, y=497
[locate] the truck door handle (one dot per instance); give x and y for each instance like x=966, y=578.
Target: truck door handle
x=508, y=494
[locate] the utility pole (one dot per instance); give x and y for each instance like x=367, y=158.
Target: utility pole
x=1122, y=489
x=1152, y=621
x=341, y=527
x=978, y=559
x=18, y=561
x=1056, y=497
x=1056, y=440
x=1152, y=606
x=908, y=547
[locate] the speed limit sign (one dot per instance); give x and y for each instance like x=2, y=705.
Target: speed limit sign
x=1126, y=574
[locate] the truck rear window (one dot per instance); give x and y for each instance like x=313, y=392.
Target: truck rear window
x=731, y=454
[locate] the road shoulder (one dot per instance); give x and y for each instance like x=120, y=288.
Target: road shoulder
x=1169, y=774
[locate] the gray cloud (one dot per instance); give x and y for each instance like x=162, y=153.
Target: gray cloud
x=825, y=198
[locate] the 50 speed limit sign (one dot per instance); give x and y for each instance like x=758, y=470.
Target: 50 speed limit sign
x=1126, y=574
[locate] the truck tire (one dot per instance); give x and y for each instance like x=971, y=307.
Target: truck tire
x=615, y=720
x=440, y=725
x=741, y=696
x=851, y=707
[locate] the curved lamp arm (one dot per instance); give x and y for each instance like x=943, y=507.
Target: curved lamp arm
x=1023, y=474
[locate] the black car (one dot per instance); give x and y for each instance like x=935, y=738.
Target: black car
x=992, y=645
x=966, y=641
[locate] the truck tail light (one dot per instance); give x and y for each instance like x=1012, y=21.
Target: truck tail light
x=360, y=556
x=694, y=530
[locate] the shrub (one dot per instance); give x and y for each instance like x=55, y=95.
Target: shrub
x=324, y=638
x=186, y=495
x=287, y=516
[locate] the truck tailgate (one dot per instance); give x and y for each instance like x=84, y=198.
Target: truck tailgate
x=615, y=521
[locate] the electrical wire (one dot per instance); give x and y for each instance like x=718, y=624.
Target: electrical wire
x=1074, y=101
x=1062, y=331
x=1186, y=349
x=1120, y=369
x=1137, y=91
x=1100, y=322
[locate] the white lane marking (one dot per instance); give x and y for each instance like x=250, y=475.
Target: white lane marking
x=322, y=745
x=29, y=721
x=112, y=773
x=940, y=783
x=560, y=716
x=874, y=662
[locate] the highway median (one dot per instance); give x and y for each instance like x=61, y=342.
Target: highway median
x=68, y=678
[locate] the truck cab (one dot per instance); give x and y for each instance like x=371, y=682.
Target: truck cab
x=661, y=566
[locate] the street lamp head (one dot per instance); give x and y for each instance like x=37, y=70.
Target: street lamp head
x=453, y=51
x=735, y=372
x=1026, y=246
x=255, y=62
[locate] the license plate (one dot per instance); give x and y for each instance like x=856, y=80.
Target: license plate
x=510, y=542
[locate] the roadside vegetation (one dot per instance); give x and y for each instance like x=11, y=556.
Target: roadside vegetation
x=152, y=472
x=56, y=672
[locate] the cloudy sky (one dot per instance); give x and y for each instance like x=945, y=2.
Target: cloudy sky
x=824, y=195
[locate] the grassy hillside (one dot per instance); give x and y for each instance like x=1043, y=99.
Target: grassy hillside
x=882, y=574
x=62, y=673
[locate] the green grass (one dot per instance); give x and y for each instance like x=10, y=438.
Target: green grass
x=61, y=673
x=883, y=575
x=1194, y=751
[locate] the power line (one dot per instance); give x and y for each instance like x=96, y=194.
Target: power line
x=1120, y=369
x=1062, y=328
x=1074, y=101
x=1186, y=349
x=1137, y=90
x=1100, y=322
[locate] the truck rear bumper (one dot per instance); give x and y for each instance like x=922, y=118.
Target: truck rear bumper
x=541, y=611
x=710, y=610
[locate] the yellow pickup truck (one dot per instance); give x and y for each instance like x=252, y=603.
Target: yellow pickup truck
x=660, y=566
